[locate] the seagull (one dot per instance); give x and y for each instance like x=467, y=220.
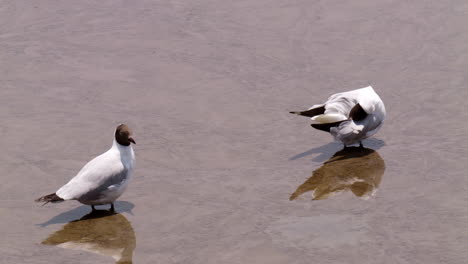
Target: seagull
x=349, y=116
x=104, y=178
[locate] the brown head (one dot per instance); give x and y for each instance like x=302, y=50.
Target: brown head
x=123, y=135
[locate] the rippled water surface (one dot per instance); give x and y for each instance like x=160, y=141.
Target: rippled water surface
x=224, y=173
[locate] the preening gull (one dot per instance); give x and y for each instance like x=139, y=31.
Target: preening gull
x=103, y=179
x=349, y=116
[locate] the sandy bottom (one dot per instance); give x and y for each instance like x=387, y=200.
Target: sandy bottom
x=224, y=173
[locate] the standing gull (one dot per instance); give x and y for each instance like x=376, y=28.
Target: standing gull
x=350, y=116
x=104, y=178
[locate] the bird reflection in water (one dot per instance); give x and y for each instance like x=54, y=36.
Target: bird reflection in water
x=101, y=232
x=354, y=168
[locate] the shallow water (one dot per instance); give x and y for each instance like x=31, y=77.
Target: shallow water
x=207, y=87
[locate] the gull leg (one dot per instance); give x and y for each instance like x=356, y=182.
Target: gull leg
x=112, y=209
x=360, y=144
x=92, y=207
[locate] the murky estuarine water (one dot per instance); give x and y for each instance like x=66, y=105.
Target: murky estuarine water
x=224, y=174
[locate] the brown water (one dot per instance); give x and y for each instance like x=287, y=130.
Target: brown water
x=206, y=87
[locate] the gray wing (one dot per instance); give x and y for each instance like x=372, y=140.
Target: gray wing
x=113, y=181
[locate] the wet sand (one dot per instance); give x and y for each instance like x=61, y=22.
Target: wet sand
x=207, y=86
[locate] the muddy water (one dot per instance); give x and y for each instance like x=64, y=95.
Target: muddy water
x=207, y=86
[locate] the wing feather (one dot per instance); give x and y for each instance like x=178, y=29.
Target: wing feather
x=98, y=174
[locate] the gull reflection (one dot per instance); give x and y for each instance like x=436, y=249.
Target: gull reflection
x=357, y=169
x=101, y=232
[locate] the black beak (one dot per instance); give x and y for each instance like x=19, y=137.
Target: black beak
x=131, y=140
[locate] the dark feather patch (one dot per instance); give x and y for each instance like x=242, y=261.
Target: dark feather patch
x=312, y=112
x=122, y=135
x=326, y=127
x=357, y=113
x=50, y=198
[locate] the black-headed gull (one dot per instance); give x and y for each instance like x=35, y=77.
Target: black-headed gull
x=350, y=116
x=104, y=178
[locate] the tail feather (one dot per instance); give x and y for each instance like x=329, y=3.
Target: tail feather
x=50, y=198
x=311, y=112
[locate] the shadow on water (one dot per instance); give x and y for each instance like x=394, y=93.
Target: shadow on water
x=326, y=150
x=359, y=170
x=120, y=206
x=100, y=232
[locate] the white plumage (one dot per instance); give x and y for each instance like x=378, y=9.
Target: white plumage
x=103, y=179
x=349, y=116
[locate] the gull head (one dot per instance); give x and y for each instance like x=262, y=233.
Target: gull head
x=123, y=135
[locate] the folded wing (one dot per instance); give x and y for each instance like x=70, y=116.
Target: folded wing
x=97, y=175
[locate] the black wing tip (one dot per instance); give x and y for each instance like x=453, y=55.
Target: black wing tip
x=311, y=112
x=326, y=127
x=321, y=127
x=50, y=198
